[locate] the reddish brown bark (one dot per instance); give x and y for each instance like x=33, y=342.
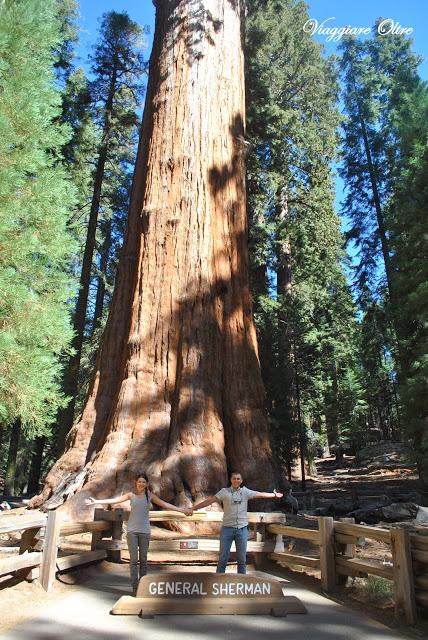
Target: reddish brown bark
x=177, y=389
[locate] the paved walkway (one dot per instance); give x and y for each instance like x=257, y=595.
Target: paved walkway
x=84, y=614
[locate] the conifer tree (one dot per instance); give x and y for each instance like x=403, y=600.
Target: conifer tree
x=35, y=200
x=117, y=68
x=377, y=74
x=292, y=122
x=409, y=234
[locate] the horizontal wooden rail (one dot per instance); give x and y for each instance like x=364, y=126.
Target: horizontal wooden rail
x=14, y=563
x=422, y=582
x=419, y=542
x=420, y=556
x=356, y=566
x=189, y=544
x=295, y=532
x=72, y=528
x=361, y=530
x=341, y=538
x=24, y=521
x=291, y=558
x=75, y=559
x=421, y=598
x=199, y=516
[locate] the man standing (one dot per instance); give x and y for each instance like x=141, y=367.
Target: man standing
x=234, y=500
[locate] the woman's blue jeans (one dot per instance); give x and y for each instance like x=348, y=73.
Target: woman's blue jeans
x=227, y=536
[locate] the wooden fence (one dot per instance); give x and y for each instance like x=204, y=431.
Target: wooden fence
x=40, y=539
x=41, y=535
x=336, y=540
x=408, y=569
x=187, y=546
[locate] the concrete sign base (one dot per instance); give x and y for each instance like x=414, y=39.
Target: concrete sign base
x=209, y=594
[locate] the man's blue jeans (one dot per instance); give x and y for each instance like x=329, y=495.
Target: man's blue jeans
x=227, y=536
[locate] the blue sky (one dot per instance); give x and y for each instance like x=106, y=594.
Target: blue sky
x=409, y=13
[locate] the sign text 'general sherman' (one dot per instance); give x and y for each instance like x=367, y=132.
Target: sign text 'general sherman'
x=223, y=589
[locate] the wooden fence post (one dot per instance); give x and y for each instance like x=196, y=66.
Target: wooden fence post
x=279, y=544
x=50, y=550
x=259, y=537
x=346, y=550
x=404, y=588
x=327, y=561
x=29, y=539
x=115, y=555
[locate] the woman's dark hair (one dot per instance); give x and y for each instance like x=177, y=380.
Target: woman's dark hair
x=235, y=473
x=143, y=475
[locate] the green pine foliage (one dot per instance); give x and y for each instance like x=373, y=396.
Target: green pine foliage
x=379, y=372
x=118, y=51
x=35, y=199
x=409, y=243
x=304, y=309
x=386, y=106
x=378, y=74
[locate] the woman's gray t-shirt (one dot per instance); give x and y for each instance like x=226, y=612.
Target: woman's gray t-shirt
x=139, y=521
x=235, y=505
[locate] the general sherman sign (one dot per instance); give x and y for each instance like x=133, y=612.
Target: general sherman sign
x=225, y=588
x=208, y=593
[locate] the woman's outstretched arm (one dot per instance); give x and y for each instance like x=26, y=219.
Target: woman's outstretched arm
x=123, y=498
x=166, y=505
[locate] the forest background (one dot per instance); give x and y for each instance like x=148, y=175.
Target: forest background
x=337, y=161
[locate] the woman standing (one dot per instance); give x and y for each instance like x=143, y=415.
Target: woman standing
x=138, y=533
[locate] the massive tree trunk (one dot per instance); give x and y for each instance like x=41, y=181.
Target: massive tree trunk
x=177, y=389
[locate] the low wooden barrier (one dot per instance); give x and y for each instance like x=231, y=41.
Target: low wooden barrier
x=41, y=535
x=336, y=540
x=30, y=524
x=183, y=546
x=40, y=538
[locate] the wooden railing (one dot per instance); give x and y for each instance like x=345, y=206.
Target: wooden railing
x=38, y=549
x=408, y=569
x=41, y=535
x=38, y=557
x=187, y=546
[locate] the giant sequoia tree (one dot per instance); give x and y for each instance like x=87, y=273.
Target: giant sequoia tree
x=177, y=387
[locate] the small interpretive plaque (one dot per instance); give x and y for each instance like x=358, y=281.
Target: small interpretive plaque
x=208, y=593
x=189, y=544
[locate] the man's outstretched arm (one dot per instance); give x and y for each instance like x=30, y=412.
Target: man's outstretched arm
x=264, y=494
x=205, y=503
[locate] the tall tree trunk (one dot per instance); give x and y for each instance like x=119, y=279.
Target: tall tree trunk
x=36, y=465
x=378, y=208
x=303, y=445
x=287, y=396
x=331, y=414
x=259, y=286
x=177, y=389
x=9, y=476
x=71, y=374
x=101, y=288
